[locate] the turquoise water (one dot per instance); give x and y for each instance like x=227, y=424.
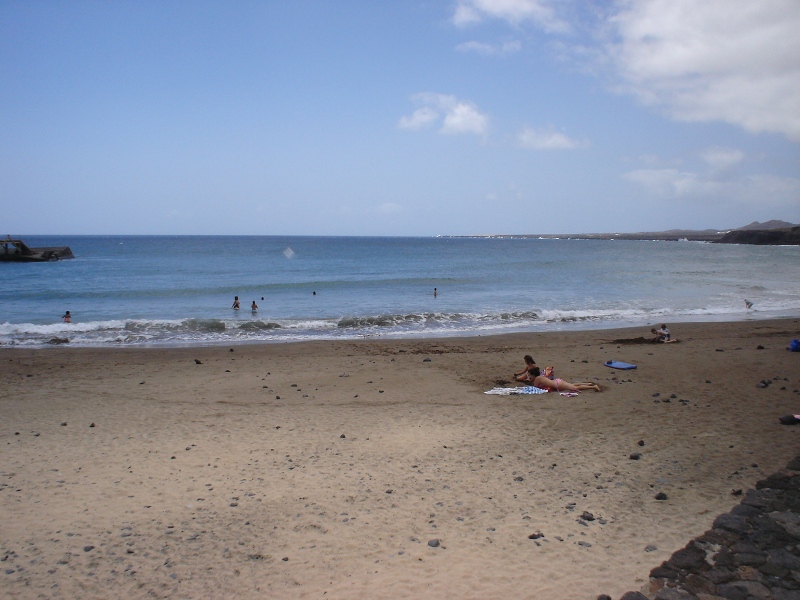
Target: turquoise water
x=163, y=290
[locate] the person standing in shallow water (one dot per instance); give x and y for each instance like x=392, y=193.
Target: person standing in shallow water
x=67, y=317
x=254, y=307
x=235, y=305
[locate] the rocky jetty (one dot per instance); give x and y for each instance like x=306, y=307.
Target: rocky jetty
x=751, y=552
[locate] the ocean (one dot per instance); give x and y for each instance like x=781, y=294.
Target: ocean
x=178, y=290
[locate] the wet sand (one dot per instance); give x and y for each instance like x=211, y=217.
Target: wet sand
x=331, y=469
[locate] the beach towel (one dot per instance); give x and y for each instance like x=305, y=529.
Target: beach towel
x=615, y=364
x=514, y=391
x=569, y=394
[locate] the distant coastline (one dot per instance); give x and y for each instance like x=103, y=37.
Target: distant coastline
x=770, y=233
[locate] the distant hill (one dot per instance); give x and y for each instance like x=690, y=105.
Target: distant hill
x=774, y=224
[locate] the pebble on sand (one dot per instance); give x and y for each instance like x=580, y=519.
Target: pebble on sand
x=433, y=543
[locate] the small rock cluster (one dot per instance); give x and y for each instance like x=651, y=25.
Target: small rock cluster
x=751, y=552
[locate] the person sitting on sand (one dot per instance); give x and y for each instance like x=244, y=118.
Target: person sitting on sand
x=559, y=385
x=663, y=334
x=526, y=375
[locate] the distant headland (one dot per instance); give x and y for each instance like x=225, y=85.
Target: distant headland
x=773, y=233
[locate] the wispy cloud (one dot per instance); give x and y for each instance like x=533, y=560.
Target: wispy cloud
x=702, y=60
x=722, y=159
x=719, y=184
x=456, y=116
x=490, y=49
x=419, y=118
x=735, y=61
x=515, y=12
x=548, y=139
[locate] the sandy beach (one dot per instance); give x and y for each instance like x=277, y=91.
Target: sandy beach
x=332, y=469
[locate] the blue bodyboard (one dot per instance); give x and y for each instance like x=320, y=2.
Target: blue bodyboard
x=615, y=364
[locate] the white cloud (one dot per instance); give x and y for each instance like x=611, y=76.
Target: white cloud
x=548, y=140
x=490, y=49
x=419, y=118
x=465, y=118
x=736, y=61
x=722, y=159
x=457, y=116
x=515, y=12
x=668, y=183
x=753, y=190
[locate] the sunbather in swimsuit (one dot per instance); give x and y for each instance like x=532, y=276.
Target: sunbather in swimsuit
x=559, y=385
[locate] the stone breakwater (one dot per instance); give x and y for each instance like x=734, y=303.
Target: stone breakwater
x=751, y=552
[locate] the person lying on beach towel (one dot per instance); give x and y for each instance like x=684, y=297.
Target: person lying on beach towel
x=559, y=385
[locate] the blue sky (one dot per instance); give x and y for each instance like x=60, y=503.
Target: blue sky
x=403, y=117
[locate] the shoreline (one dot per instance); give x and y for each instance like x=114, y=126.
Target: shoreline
x=326, y=467
x=59, y=338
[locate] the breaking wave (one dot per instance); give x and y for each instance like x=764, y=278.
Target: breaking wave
x=182, y=332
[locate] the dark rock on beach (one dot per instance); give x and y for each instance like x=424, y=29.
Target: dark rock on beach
x=753, y=551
